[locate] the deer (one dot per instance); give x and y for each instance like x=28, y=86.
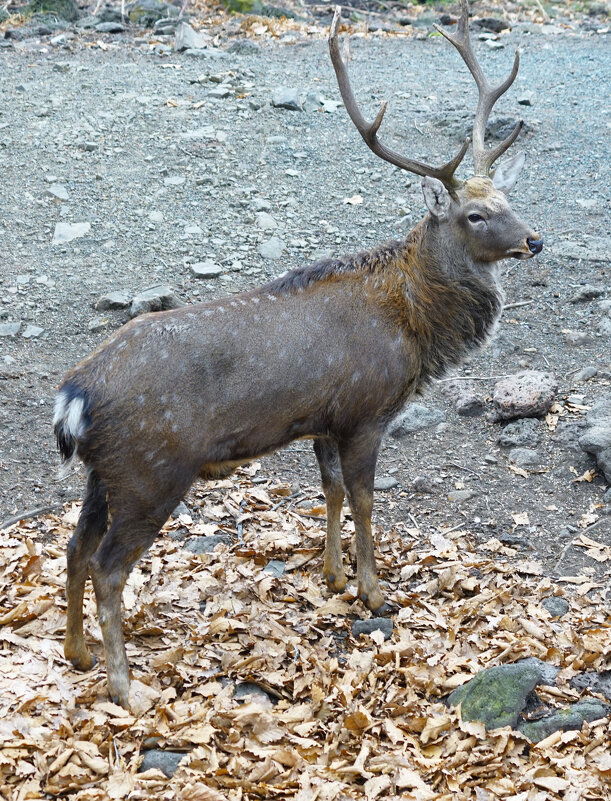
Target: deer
x=330, y=351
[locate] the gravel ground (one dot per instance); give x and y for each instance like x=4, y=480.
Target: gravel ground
x=168, y=175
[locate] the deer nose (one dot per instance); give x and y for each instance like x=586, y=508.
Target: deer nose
x=534, y=245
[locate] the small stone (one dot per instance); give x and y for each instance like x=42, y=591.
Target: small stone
x=261, y=204
x=272, y=248
x=174, y=180
x=494, y=45
x=245, y=690
x=570, y=718
x=9, y=329
x=415, y=418
x=220, y=92
x=206, y=269
x=66, y=232
x=165, y=761
x=423, y=484
x=181, y=509
x=466, y=400
x=186, y=38
x=557, y=607
x=155, y=298
x=97, y=324
x=526, y=98
x=525, y=457
x=193, y=230
x=32, y=332
x=58, y=191
x=113, y=301
x=110, y=27
x=156, y=216
x=385, y=483
x=587, y=293
x=526, y=394
x=596, y=438
x=578, y=338
x=207, y=544
x=587, y=203
x=520, y=434
x=265, y=221
x=458, y=496
x=585, y=374
x=607, y=496
x=313, y=101
x=383, y=624
x=287, y=98
x=276, y=567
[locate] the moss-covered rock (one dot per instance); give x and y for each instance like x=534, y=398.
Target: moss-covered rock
x=496, y=696
x=567, y=719
x=147, y=12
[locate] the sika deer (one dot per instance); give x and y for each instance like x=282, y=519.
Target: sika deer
x=330, y=351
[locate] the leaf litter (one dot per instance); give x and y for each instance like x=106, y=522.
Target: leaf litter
x=330, y=717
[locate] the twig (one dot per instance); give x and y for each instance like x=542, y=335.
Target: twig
x=518, y=304
x=29, y=513
x=462, y=467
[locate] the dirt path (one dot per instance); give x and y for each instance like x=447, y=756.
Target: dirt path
x=167, y=175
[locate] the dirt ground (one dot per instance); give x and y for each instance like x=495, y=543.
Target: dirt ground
x=168, y=175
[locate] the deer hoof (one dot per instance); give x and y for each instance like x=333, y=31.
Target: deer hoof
x=336, y=583
x=83, y=662
x=386, y=610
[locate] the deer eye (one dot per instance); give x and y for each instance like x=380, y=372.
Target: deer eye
x=475, y=218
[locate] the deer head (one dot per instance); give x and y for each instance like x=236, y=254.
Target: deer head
x=472, y=214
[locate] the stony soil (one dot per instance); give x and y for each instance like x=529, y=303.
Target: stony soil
x=168, y=175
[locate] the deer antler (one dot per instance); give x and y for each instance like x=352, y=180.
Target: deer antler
x=488, y=95
x=369, y=130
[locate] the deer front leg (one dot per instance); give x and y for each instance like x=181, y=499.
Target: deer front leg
x=331, y=474
x=358, y=461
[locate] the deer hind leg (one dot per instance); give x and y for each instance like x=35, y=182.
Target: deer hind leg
x=330, y=471
x=92, y=525
x=358, y=461
x=131, y=533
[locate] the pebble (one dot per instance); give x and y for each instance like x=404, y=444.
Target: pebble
x=383, y=624
x=276, y=567
x=9, y=329
x=113, y=301
x=415, y=418
x=557, y=607
x=206, y=544
x=272, y=248
x=585, y=374
x=464, y=395
x=458, y=496
x=97, y=324
x=520, y=434
x=58, y=191
x=265, y=221
x=525, y=457
x=110, y=27
x=423, y=484
x=165, y=761
x=186, y=38
x=578, y=338
x=206, y=269
x=287, y=98
x=155, y=298
x=596, y=439
x=66, y=232
x=586, y=293
x=385, y=483
x=32, y=332
x=526, y=394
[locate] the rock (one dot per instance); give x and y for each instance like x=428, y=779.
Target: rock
x=492, y=44
x=208, y=543
x=526, y=394
x=586, y=293
x=415, y=418
x=66, y=9
x=577, y=337
x=97, y=324
x=596, y=439
x=32, y=331
x=597, y=249
x=276, y=567
x=557, y=607
x=165, y=761
x=245, y=690
x=272, y=248
x=520, y=434
x=66, y=232
x=113, y=301
x=265, y=221
x=385, y=483
x=525, y=457
x=547, y=673
x=181, y=509
x=423, y=484
x=110, y=27
x=569, y=719
x=313, y=101
x=288, y=98
x=458, y=496
x=206, y=269
x=220, y=92
x=595, y=682
x=497, y=695
x=466, y=400
x=585, y=374
x=155, y=298
x=383, y=624
x=58, y=191
x=526, y=98
x=244, y=47
x=493, y=24
x=9, y=329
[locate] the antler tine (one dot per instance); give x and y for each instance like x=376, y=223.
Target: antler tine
x=369, y=130
x=488, y=95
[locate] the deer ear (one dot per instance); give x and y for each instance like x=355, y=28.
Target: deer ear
x=436, y=197
x=506, y=173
